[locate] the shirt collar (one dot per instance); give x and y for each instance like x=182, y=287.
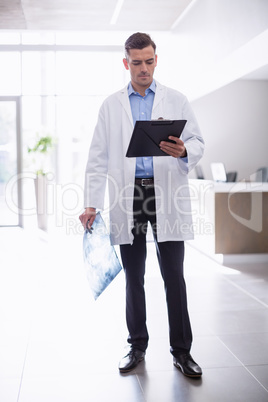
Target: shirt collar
x=152, y=88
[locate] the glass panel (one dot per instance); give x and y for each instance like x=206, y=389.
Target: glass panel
x=76, y=38
x=8, y=38
x=89, y=73
x=10, y=73
x=8, y=164
x=31, y=116
x=66, y=87
x=38, y=38
x=74, y=135
x=91, y=38
x=38, y=73
x=38, y=120
x=115, y=38
x=39, y=115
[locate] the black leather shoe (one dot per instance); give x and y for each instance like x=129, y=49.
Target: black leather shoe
x=131, y=360
x=187, y=365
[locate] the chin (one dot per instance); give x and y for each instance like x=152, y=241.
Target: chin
x=144, y=82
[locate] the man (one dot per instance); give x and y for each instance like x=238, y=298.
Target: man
x=153, y=189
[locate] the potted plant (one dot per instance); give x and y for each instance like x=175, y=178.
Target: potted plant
x=41, y=152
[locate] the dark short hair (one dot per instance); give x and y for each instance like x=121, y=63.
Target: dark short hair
x=138, y=40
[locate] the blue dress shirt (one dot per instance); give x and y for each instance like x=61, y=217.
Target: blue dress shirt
x=141, y=108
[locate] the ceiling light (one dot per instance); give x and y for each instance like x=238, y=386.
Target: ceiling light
x=183, y=14
x=116, y=13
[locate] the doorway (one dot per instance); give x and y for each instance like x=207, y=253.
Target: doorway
x=10, y=162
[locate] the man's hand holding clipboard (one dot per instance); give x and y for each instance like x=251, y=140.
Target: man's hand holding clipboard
x=175, y=148
x=157, y=138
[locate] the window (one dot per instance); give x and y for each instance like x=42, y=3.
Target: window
x=10, y=73
x=60, y=88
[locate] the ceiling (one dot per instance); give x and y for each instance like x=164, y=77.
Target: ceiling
x=92, y=15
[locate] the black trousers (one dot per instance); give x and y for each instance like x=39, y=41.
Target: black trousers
x=170, y=257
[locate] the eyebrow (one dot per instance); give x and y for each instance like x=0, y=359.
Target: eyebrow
x=136, y=61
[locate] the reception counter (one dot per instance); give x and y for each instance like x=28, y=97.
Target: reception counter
x=230, y=218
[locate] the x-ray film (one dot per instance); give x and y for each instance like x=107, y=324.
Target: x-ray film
x=101, y=261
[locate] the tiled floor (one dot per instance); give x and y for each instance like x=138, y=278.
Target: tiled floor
x=58, y=345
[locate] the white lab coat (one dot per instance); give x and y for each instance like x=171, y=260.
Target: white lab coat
x=107, y=160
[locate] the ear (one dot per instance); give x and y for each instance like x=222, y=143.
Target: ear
x=126, y=64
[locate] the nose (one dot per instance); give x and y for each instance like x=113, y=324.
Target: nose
x=143, y=67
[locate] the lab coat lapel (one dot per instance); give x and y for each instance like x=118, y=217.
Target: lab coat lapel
x=127, y=119
x=124, y=100
x=157, y=106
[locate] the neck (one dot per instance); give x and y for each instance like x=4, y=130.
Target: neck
x=140, y=89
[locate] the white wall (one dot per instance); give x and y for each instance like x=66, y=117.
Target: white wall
x=234, y=123
x=215, y=42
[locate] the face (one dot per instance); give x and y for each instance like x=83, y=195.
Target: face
x=141, y=64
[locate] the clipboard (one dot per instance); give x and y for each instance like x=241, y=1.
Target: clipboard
x=147, y=135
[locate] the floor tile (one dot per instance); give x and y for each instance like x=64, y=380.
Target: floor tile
x=12, y=357
x=158, y=356
x=201, y=324
x=218, y=295
x=47, y=359
x=210, y=352
x=250, y=349
x=253, y=279
x=261, y=373
x=59, y=345
x=94, y=388
x=237, y=322
x=9, y=389
x=222, y=384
